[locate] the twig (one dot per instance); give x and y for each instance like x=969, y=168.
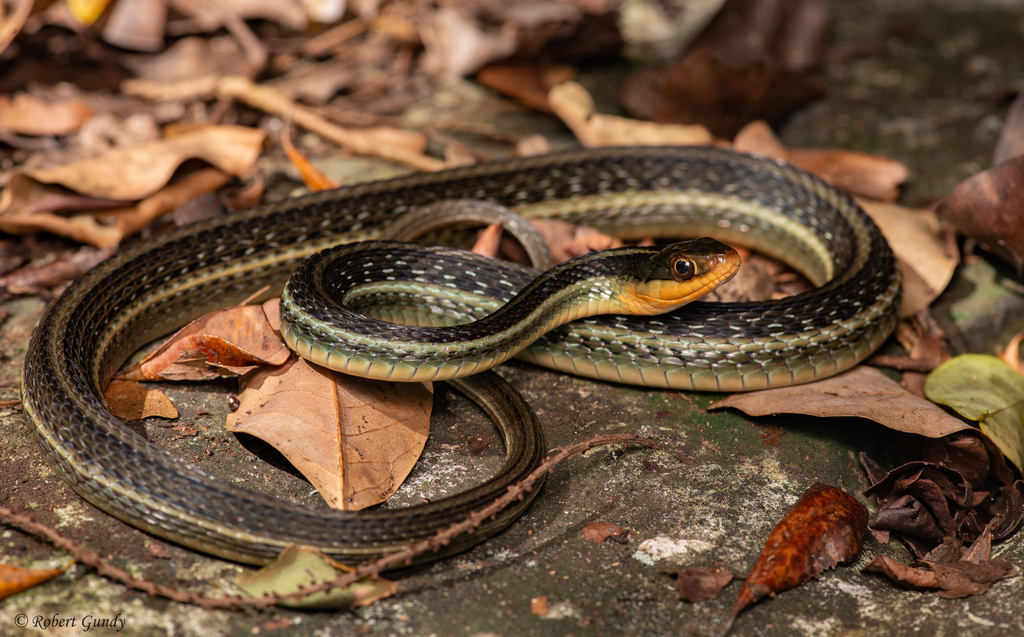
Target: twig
x=515, y=492
x=273, y=101
x=902, y=363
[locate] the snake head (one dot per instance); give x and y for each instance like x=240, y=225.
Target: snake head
x=678, y=274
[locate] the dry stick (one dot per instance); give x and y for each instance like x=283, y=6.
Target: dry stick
x=271, y=100
x=404, y=557
x=901, y=363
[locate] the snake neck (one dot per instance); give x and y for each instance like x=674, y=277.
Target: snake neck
x=317, y=323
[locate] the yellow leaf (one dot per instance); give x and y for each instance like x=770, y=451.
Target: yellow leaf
x=87, y=11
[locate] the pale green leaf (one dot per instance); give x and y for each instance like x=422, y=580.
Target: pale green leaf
x=300, y=566
x=987, y=390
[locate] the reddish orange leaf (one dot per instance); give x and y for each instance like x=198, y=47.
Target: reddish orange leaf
x=539, y=606
x=598, y=532
x=313, y=178
x=225, y=343
x=14, y=580
x=825, y=527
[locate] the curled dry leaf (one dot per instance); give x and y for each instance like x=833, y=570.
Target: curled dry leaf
x=824, y=528
x=989, y=208
x=14, y=580
x=924, y=503
x=299, y=567
x=28, y=115
x=228, y=342
x=952, y=572
x=598, y=532
x=574, y=105
x=699, y=583
x=928, y=503
x=134, y=401
x=354, y=439
x=862, y=392
x=139, y=171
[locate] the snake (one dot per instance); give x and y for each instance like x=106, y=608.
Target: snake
x=157, y=285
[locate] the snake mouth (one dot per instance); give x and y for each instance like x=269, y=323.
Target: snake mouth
x=658, y=296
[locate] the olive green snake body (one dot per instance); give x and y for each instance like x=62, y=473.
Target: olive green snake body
x=158, y=285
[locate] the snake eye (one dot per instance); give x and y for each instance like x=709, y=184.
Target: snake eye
x=683, y=269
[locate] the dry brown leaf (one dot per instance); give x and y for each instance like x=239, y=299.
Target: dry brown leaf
x=915, y=238
x=488, y=240
x=317, y=83
x=1011, y=355
x=65, y=266
x=862, y=392
x=133, y=173
x=531, y=146
x=758, y=137
x=229, y=342
x=210, y=16
x=28, y=115
x=331, y=40
x=525, y=82
x=188, y=69
x=574, y=105
x=699, y=583
x=1011, y=138
x=954, y=573
x=355, y=440
x=989, y=208
x=598, y=532
x=137, y=25
x=14, y=580
x=458, y=45
x=857, y=173
x=756, y=59
x=94, y=228
x=566, y=240
x=134, y=401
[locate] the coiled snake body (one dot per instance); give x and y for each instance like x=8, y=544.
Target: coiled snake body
x=156, y=286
